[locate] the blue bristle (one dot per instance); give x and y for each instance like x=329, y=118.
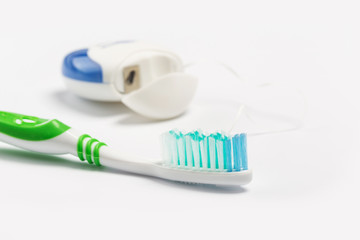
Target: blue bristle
x=227, y=154
x=243, y=152
x=236, y=152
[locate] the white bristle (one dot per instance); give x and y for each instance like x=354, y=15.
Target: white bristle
x=203, y=153
x=174, y=151
x=165, y=138
x=212, y=153
x=188, y=150
x=220, y=147
x=196, y=153
x=181, y=151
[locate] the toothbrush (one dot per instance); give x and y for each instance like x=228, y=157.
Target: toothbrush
x=192, y=157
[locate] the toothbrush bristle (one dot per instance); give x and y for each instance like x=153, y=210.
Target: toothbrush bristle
x=198, y=151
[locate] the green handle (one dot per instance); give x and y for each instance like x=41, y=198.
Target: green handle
x=30, y=128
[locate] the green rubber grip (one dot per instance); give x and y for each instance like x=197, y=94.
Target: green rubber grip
x=91, y=156
x=29, y=127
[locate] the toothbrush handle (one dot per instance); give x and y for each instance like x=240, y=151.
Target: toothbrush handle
x=47, y=136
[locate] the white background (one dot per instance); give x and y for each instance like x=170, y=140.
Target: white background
x=306, y=182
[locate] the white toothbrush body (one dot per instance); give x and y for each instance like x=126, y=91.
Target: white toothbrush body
x=54, y=137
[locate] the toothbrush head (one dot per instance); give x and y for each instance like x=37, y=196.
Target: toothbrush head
x=215, y=158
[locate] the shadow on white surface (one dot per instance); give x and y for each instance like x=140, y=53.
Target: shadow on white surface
x=203, y=187
x=24, y=157
x=136, y=119
x=89, y=107
x=106, y=109
x=101, y=109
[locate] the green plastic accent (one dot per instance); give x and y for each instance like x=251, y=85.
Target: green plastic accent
x=88, y=150
x=29, y=127
x=80, y=145
x=97, y=153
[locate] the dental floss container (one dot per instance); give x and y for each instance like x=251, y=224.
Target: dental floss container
x=147, y=78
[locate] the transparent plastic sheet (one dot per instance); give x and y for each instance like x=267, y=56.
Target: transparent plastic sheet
x=292, y=123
